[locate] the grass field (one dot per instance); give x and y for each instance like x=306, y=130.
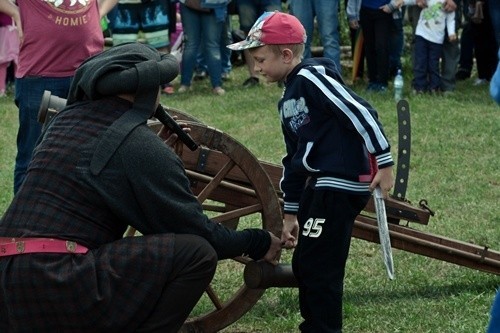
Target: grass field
x=454, y=166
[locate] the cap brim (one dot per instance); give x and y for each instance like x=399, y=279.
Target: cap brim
x=245, y=44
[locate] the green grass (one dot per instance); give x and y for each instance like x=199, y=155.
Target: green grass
x=454, y=166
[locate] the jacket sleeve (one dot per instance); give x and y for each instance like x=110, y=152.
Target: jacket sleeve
x=352, y=110
x=159, y=199
x=352, y=9
x=292, y=183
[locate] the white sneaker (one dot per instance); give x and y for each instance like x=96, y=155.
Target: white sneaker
x=219, y=91
x=479, y=82
x=183, y=89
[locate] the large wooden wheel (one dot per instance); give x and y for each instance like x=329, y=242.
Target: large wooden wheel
x=236, y=191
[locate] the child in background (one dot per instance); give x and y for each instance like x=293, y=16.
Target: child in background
x=9, y=49
x=177, y=35
x=432, y=25
x=336, y=153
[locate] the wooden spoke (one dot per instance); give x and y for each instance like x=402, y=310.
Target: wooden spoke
x=212, y=185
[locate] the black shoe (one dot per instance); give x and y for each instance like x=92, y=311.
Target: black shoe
x=252, y=81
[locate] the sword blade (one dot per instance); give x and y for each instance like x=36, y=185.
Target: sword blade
x=383, y=231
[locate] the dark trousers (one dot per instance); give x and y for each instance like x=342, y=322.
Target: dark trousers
x=326, y=219
x=466, y=48
x=426, y=65
x=194, y=266
x=485, y=46
x=396, y=45
x=376, y=27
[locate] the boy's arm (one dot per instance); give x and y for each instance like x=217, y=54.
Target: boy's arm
x=292, y=185
x=365, y=120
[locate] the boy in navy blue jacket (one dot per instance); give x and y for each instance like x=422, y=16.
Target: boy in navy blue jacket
x=336, y=154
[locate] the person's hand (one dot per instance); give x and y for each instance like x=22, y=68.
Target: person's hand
x=354, y=24
x=290, y=231
x=385, y=9
x=385, y=179
x=452, y=38
x=399, y=3
x=422, y=3
x=273, y=254
x=449, y=6
x=171, y=139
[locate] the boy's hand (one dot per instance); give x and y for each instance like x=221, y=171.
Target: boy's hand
x=385, y=179
x=290, y=232
x=452, y=38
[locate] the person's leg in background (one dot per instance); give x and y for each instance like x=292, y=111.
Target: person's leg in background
x=304, y=11
x=383, y=26
x=225, y=52
x=29, y=92
x=191, y=24
x=396, y=43
x=450, y=57
x=376, y=27
x=248, y=12
x=327, y=16
x=435, y=52
x=420, y=62
x=466, y=61
x=485, y=47
x=211, y=35
x=413, y=14
x=449, y=63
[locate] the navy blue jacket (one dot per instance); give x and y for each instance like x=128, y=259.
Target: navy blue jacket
x=331, y=134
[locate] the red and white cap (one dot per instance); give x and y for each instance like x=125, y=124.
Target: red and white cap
x=273, y=28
